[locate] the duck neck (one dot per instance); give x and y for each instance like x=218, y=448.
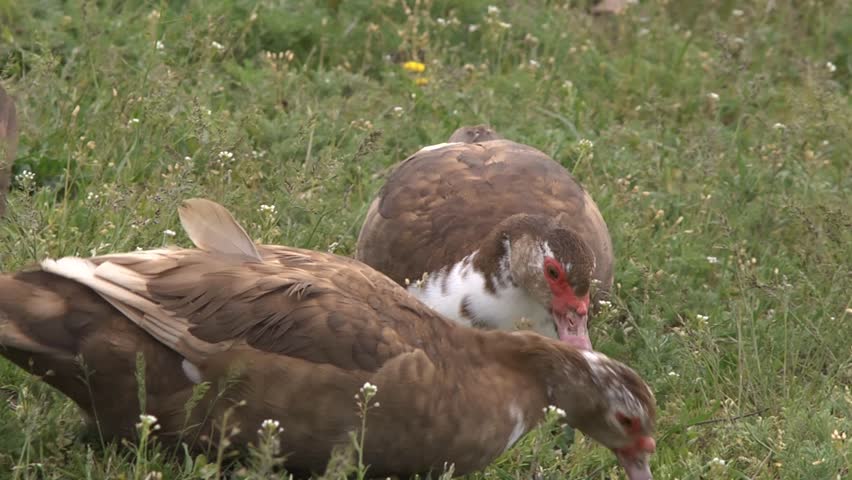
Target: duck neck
x=559, y=373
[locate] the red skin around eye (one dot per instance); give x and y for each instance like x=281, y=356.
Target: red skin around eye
x=564, y=297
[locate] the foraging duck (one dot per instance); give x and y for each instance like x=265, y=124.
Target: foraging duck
x=8, y=144
x=291, y=335
x=501, y=231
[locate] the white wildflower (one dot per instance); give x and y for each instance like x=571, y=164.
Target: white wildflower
x=270, y=209
x=398, y=111
x=554, y=410
x=712, y=260
x=830, y=67
x=737, y=12
x=703, y=318
x=505, y=25
x=160, y=45
x=605, y=303
x=132, y=121
x=147, y=421
x=493, y=10
x=369, y=389
x=838, y=436
x=718, y=461
x=269, y=424
x=217, y=45
x=585, y=143
x=472, y=27
x=779, y=126
x=713, y=96
x=441, y=21
x=226, y=154
x=25, y=177
x=674, y=374
x=169, y=233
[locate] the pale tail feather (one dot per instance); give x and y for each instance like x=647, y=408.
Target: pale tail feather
x=135, y=307
x=211, y=227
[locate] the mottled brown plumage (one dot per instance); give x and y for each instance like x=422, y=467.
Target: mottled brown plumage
x=299, y=332
x=445, y=202
x=8, y=144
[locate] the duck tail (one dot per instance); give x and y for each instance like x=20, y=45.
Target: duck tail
x=49, y=326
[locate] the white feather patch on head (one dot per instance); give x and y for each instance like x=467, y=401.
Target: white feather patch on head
x=605, y=376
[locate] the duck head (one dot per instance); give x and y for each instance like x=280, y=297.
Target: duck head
x=554, y=266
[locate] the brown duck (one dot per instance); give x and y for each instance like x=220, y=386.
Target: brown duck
x=8, y=144
x=298, y=333
x=501, y=230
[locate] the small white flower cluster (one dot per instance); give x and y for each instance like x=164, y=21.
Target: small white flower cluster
x=492, y=17
x=398, y=111
x=160, y=45
x=92, y=196
x=702, y=318
x=779, y=126
x=712, y=260
x=217, y=45
x=270, y=209
x=830, y=67
x=368, y=389
x=554, y=410
x=258, y=154
x=838, y=436
x=25, y=177
x=147, y=421
x=226, y=154
x=713, y=96
x=585, y=143
x=270, y=426
x=169, y=233
x=605, y=303
x=718, y=461
x=674, y=374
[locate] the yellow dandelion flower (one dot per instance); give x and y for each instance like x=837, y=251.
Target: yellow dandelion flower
x=421, y=81
x=414, y=67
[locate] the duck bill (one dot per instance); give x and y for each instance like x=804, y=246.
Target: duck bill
x=636, y=467
x=573, y=328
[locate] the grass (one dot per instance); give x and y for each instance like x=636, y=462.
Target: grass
x=720, y=160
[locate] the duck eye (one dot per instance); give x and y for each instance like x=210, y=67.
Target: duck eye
x=552, y=272
x=625, y=422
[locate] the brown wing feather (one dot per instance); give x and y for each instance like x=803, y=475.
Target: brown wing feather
x=438, y=205
x=308, y=305
x=8, y=144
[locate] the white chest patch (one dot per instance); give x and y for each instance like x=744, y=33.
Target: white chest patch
x=516, y=415
x=461, y=288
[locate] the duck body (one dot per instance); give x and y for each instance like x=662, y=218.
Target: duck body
x=292, y=335
x=456, y=211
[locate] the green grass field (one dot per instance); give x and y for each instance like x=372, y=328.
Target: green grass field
x=720, y=160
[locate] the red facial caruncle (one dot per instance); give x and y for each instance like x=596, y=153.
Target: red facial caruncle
x=570, y=312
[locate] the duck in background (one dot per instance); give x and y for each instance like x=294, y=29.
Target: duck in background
x=501, y=231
